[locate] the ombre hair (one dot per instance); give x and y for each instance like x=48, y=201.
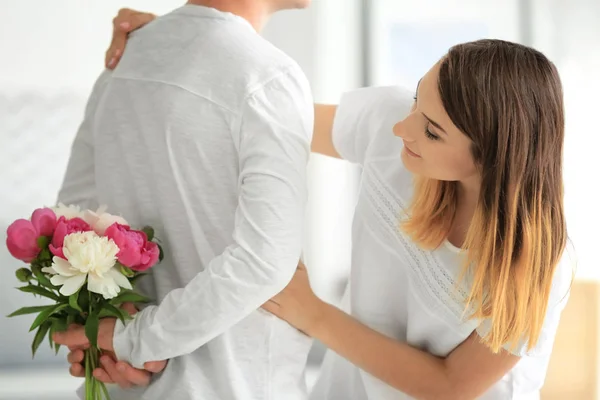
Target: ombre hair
x=507, y=98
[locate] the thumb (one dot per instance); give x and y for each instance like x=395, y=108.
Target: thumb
x=155, y=366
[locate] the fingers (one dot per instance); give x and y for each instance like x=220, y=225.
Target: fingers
x=126, y=21
x=110, y=368
x=102, y=375
x=155, y=366
x=77, y=370
x=121, y=373
x=131, y=22
x=135, y=376
x=115, y=50
x=75, y=356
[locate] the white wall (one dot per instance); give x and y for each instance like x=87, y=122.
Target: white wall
x=569, y=34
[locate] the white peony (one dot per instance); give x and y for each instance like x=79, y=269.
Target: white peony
x=88, y=256
x=70, y=211
x=100, y=220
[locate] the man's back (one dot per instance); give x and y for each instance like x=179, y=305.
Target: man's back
x=175, y=147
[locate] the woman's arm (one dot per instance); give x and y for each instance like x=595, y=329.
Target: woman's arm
x=322, y=141
x=468, y=372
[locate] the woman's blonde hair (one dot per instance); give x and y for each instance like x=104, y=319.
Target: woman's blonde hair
x=507, y=98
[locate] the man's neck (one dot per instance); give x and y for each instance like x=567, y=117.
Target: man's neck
x=255, y=12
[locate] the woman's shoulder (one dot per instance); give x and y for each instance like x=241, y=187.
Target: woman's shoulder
x=364, y=121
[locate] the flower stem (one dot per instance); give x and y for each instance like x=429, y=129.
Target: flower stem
x=94, y=389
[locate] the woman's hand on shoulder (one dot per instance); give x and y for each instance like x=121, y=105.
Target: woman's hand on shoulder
x=125, y=21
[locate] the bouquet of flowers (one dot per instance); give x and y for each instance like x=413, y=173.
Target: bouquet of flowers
x=86, y=262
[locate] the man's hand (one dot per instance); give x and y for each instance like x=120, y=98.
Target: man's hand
x=119, y=372
x=74, y=337
x=112, y=371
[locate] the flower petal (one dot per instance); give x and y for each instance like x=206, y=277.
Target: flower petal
x=21, y=240
x=44, y=221
x=49, y=270
x=58, y=280
x=62, y=266
x=90, y=217
x=105, y=286
x=120, y=279
x=72, y=284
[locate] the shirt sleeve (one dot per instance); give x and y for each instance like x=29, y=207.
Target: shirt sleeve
x=79, y=184
x=363, y=115
x=274, y=146
x=559, y=296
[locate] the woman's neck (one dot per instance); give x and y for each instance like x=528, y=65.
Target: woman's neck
x=255, y=12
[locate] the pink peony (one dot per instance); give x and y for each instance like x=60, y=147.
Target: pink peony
x=65, y=227
x=150, y=254
x=129, y=241
x=44, y=221
x=22, y=235
x=21, y=240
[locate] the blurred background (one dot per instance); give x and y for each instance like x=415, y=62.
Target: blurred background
x=52, y=51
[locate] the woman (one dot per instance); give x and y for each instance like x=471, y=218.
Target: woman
x=459, y=269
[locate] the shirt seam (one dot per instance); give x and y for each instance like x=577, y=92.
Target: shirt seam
x=252, y=91
x=175, y=85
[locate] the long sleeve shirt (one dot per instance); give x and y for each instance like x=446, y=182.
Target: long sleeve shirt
x=203, y=131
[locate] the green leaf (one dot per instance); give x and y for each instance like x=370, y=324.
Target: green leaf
x=91, y=328
x=161, y=253
x=104, y=391
x=71, y=318
x=44, y=315
x=73, y=301
x=127, y=296
x=28, y=310
x=89, y=393
x=84, y=298
x=39, y=337
x=109, y=310
x=149, y=231
x=43, y=280
x=128, y=272
x=39, y=291
x=59, y=324
x=137, y=276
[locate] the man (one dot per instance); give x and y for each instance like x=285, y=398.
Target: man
x=203, y=131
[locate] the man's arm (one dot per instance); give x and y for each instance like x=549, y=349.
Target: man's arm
x=274, y=145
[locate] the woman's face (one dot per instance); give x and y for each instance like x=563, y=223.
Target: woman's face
x=433, y=146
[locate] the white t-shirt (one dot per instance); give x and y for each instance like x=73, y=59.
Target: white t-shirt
x=396, y=287
x=203, y=131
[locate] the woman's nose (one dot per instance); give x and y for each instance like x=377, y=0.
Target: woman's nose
x=401, y=129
